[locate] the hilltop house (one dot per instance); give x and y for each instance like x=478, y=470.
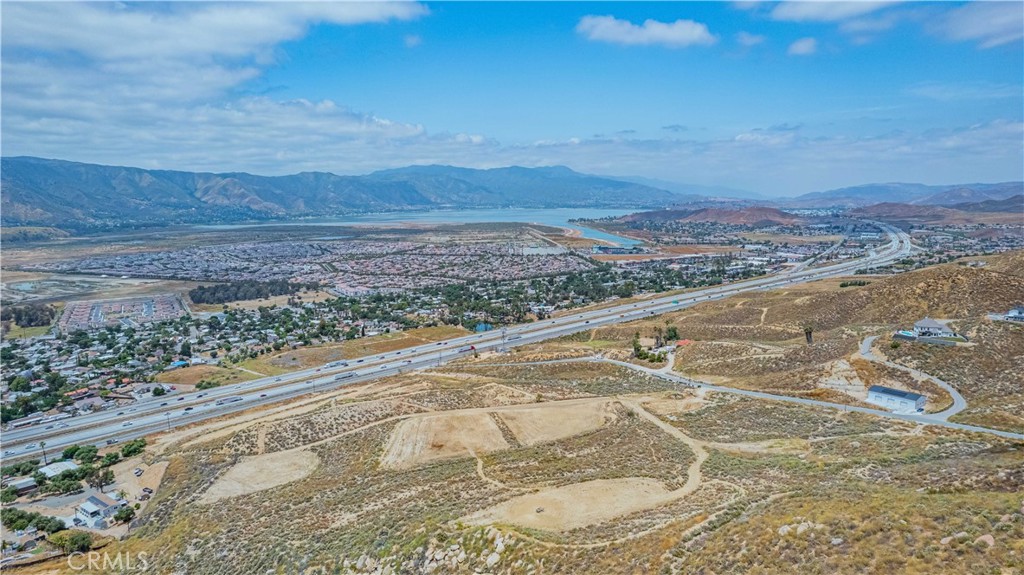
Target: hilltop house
x=1015, y=314
x=97, y=508
x=928, y=327
x=895, y=399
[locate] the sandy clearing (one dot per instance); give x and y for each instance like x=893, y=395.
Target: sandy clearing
x=577, y=505
x=423, y=439
x=532, y=425
x=261, y=472
x=668, y=405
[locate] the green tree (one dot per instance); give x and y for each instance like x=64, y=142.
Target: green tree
x=100, y=478
x=124, y=514
x=158, y=391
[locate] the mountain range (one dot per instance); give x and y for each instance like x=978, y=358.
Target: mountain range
x=914, y=194
x=70, y=195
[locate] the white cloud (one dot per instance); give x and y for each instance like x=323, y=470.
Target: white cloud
x=747, y=39
x=990, y=24
x=824, y=10
x=803, y=47
x=676, y=34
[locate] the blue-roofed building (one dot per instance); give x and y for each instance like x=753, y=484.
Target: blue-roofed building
x=896, y=399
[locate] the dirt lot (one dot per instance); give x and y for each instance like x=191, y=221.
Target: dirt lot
x=420, y=440
x=261, y=472
x=532, y=425
x=578, y=505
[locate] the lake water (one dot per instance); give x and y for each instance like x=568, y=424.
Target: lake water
x=558, y=217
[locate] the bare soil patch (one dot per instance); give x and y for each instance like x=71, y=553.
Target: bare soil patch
x=532, y=425
x=261, y=472
x=578, y=505
x=424, y=439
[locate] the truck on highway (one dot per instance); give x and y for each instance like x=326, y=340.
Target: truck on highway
x=228, y=400
x=344, y=376
x=464, y=349
x=512, y=337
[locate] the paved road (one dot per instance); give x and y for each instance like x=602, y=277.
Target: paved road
x=164, y=413
x=914, y=417
x=959, y=403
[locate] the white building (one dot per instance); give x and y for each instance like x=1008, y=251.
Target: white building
x=928, y=327
x=1015, y=314
x=56, y=468
x=895, y=399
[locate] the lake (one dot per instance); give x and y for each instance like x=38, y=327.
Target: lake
x=558, y=217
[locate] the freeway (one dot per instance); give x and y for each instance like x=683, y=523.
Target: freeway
x=164, y=413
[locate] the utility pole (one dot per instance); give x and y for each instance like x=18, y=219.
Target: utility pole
x=42, y=446
x=168, y=415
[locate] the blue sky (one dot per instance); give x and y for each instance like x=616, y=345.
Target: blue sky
x=779, y=98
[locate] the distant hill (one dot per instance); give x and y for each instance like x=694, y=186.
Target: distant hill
x=1014, y=204
x=900, y=212
x=921, y=194
x=69, y=195
x=692, y=192
x=754, y=216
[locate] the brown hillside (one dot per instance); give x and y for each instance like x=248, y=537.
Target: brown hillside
x=896, y=212
x=744, y=216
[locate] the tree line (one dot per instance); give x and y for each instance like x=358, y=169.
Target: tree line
x=246, y=290
x=31, y=315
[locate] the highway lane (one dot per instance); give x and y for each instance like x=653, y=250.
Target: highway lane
x=146, y=416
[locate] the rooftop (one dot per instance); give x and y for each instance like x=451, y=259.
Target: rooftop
x=895, y=392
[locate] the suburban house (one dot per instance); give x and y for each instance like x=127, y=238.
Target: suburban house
x=928, y=327
x=97, y=508
x=895, y=399
x=1015, y=314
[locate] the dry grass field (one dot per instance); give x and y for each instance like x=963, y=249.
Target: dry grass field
x=193, y=374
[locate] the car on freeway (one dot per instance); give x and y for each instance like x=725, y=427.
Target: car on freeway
x=163, y=404
x=180, y=399
x=49, y=427
x=9, y=453
x=27, y=447
x=360, y=361
x=200, y=395
x=263, y=395
x=62, y=426
x=277, y=379
x=127, y=424
x=120, y=413
x=111, y=441
x=189, y=408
